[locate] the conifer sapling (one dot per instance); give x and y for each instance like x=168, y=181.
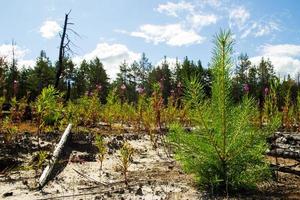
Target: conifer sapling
x=226, y=149
x=101, y=148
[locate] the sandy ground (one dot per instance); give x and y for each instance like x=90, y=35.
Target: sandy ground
x=152, y=175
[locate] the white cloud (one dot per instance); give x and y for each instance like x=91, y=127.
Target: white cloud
x=266, y=28
x=173, y=9
x=249, y=30
x=171, y=34
x=111, y=55
x=49, y=29
x=185, y=31
x=213, y=3
x=26, y=63
x=259, y=28
x=238, y=17
x=6, y=51
x=197, y=21
x=281, y=50
x=284, y=57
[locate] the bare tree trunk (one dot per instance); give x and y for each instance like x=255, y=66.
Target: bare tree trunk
x=61, y=52
x=68, y=91
x=48, y=170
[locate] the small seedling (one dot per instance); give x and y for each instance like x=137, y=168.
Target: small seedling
x=2, y=101
x=42, y=156
x=9, y=129
x=40, y=160
x=102, y=149
x=126, y=154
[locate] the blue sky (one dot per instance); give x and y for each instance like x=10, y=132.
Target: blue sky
x=117, y=30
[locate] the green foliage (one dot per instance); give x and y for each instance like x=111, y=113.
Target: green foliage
x=156, y=102
x=298, y=110
x=149, y=121
x=48, y=107
x=14, y=109
x=127, y=114
x=226, y=150
x=96, y=76
x=72, y=113
x=9, y=130
x=126, y=153
x=2, y=101
x=170, y=113
x=41, y=158
x=94, y=109
x=17, y=109
x=86, y=111
x=112, y=108
x=272, y=116
x=140, y=110
x=100, y=144
x=241, y=77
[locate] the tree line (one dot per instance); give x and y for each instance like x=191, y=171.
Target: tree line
x=138, y=77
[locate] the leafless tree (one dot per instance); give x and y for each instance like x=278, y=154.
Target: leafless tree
x=65, y=46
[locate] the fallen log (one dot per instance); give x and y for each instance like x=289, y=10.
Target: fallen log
x=288, y=136
x=48, y=170
x=284, y=153
x=88, y=177
x=286, y=169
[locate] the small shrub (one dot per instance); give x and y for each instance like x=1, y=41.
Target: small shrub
x=126, y=154
x=41, y=158
x=149, y=122
x=2, y=101
x=298, y=111
x=140, y=110
x=112, y=108
x=48, y=108
x=93, y=112
x=170, y=114
x=72, y=114
x=100, y=144
x=39, y=162
x=9, y=130
x=157, y=104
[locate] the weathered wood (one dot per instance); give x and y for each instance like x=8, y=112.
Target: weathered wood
x=295, y=136
x=88, y=177
x=284, y=153
x=48, y=170
x=286, y=169
x=61, y=51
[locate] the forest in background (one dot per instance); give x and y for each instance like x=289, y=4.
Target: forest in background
x=90, y=76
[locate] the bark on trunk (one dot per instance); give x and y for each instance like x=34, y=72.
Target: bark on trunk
x=48, y=170
x=61, y=52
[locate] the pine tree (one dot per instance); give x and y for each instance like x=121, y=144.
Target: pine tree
x=226, y=150
x=42, y=75
x=98, y=78
x=80, y=79
x=241, y=77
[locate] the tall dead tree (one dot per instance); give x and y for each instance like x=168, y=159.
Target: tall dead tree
x=64, y=46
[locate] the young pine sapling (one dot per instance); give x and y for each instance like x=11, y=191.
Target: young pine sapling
x=126, y=154
x=9, y=129
x=100, y=144
x=48, y=108
x=41, y=157
x=226, y=150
